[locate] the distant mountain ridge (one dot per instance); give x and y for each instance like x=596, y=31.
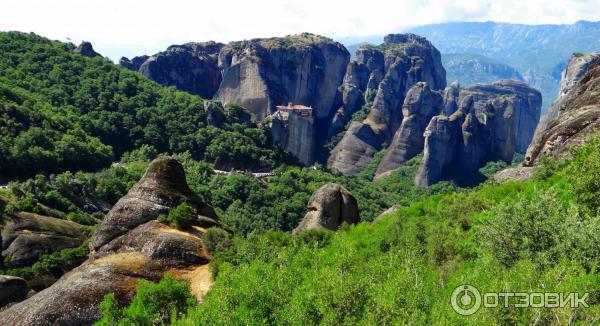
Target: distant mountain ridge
x=469, y=69
x=538, y=52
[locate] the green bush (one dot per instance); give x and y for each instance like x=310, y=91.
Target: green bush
x=217, y=240
x=153, y=304
x=542, y=228
x=584, y=175
x=181, y=217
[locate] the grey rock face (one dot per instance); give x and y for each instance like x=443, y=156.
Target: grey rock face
x=26, y=236
x=420, y=105
x=491, y=122
x=127, y=246
x=190, y=67
x=525, y=105
x=363, y=75
x=441, y=136
x=407, y=59
x=329, y=207
x=86, y=49
x=295, y=134
x=574, y=114
x=356, y=150
x=133, y=64
x=12, y=289
x=303, y=69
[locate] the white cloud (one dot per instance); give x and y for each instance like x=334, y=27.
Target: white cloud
x=126, y=27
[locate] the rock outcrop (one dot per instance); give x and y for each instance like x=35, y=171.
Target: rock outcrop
x=190, y=67
x=384, y=73
x=12, y=289
x=388, y=212
x=491, y=123
x=129, y=244
x=133, y=64
x=162, y=187
x=573, y=115
x=363, y=75
x=26, y=236
x=295, y=134
x=329, y=207
x=86, y=49
x=519, y=173
x=303, y=69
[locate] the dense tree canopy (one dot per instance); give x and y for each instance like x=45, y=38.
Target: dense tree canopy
x=63, y=111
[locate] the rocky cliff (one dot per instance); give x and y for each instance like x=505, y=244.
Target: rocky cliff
x=129, y=244
x=420, y=105
x=490, y=122
x=26, y=236
x=386, y=73
x=574, y=114
x=295, y=134
x=303, y=69
x=191, y=67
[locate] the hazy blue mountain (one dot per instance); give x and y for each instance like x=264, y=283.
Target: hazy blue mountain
x=469, y=69
x=538, y=52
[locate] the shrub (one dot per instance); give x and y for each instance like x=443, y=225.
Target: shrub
x=153, y=304
x=181, y=217
x=584, y=175
x=217, y=240
x=543, y=227
x=143, y=153
x=315, y=238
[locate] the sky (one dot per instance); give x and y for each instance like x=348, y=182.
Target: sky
x=127, y=28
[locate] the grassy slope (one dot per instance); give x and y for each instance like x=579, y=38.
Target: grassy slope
x=539, y=235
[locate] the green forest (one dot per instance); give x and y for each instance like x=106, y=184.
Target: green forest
x=61, y=111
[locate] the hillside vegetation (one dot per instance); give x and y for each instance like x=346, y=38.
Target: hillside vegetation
x=539, y=235
x=63, y=111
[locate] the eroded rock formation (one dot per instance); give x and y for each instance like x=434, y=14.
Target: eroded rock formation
x=574, y=115
x=420, y=105
x=491, y=123
x=129, y=244
x=86, y=49
x=191, y=67
x=329, y=207
x=407, y=59
x=26, y=236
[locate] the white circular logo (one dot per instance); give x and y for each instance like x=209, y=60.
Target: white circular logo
x=466, y=300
